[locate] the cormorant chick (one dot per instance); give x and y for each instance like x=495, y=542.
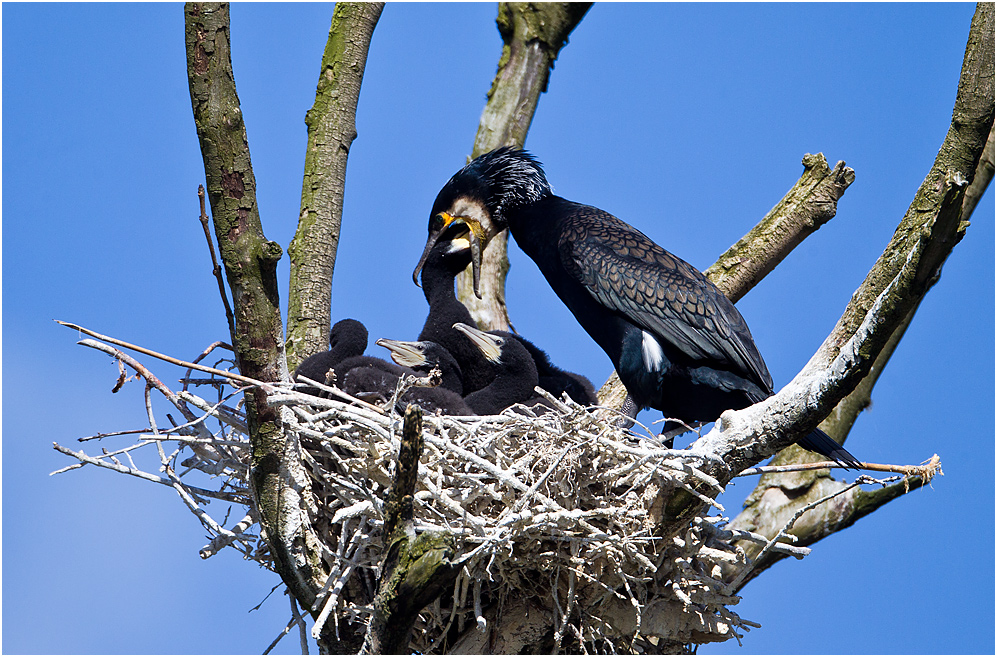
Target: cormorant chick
x=515, y=373
x=678, y=344
x=422, y=358
x=347, y=339
x=450, y=255
x=555, y=380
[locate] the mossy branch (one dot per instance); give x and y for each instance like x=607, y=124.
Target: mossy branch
x=416, y=569
x=762, y=517
x=897, y=282
x=532, y=36
x=331, y=130
x=250, y=262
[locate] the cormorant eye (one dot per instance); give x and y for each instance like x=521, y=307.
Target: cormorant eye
x=437, y=221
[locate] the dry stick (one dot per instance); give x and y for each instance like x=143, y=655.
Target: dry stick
x=211, y=347
x=222, y=540
x=117, y=467
x=785, y=528
x=168, y=359
x=295, y=620
x=215, y=267
x=927, y=470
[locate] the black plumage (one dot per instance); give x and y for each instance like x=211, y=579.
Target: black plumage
x=450, y=255
x=422, y=358
x=678, y=344
x=515, y=373
x=555, y=380
x=347, y=339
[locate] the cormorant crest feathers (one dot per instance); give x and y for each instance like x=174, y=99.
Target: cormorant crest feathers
x=506, y=178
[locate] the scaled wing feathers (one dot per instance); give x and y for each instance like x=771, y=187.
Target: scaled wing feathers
x=627, y=272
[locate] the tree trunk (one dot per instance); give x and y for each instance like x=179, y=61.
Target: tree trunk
x=533, y=35
x=281, y=488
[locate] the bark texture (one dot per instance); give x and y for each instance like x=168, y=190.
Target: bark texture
x=912, y=261
x=280, y=486
x=416, y=569
x=763, y=515
x=331, y=130
x=532, y=35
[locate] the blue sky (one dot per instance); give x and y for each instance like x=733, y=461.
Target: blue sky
x=688, y=121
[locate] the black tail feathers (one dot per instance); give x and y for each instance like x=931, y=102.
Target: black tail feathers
x=823, y=444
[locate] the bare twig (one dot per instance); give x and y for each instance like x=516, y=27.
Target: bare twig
x=216, y=269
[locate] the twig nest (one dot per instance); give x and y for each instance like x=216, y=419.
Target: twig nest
x=558, y=508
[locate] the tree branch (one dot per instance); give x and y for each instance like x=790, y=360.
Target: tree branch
x=759, y=514
x=415, y=569
x=895, y=285
x=331, y=130
x=532, y=35
x=280, y=487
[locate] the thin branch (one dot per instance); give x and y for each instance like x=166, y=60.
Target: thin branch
x=926, y=471
x=169, y=359
x=216, y=269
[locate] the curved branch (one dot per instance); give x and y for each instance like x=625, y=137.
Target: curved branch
x=761, y=516
x=912, y=260
x=331, y=130
x=533, y=35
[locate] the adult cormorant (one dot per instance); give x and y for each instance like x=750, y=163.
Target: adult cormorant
x=678, y=344
x=515, y=373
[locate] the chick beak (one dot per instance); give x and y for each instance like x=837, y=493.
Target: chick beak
x=405, y=354
x=487, y=344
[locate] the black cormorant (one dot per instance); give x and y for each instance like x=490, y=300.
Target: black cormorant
x=450, y=255
x=678, y=344
x=555, y=380
x=423, y=357
x=347, y=339
x=515, y=373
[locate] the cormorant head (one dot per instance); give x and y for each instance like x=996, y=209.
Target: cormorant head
x=489, y=345
x=406, y=354
x=478, y=196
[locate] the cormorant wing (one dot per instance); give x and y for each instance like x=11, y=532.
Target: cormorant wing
x=627, y=272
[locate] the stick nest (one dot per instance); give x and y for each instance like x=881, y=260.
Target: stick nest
x=555, y=511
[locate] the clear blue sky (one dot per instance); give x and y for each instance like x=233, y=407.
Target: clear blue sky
x=688, y=121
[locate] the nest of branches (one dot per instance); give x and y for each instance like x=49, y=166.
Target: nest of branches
x=559, y=505
x=556, y=510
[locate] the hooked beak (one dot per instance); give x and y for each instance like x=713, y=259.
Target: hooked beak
x=487, y=344
x=475, y=233
x=405, y=354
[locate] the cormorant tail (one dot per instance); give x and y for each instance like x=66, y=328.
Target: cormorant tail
x=823, y=444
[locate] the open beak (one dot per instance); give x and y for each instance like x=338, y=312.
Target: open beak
x=487, y=344
x=405, y=354
x=475, y=233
